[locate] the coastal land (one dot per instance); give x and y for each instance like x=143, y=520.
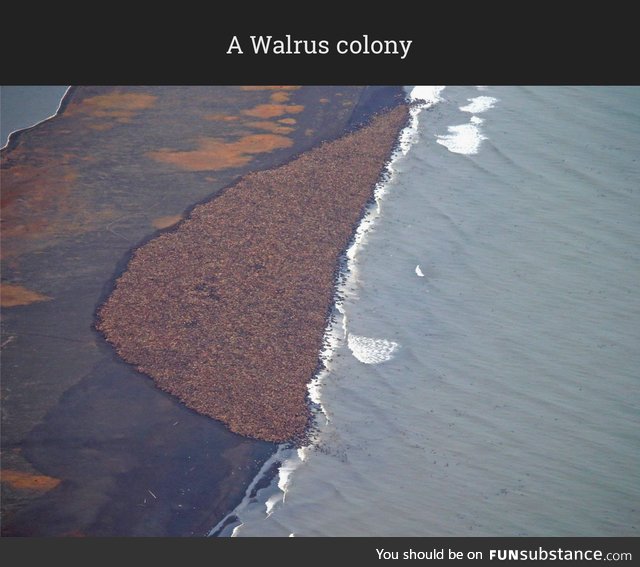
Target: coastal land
x=90, y=446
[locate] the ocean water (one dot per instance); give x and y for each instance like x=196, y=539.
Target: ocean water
x=25, y=106
x=485, y=371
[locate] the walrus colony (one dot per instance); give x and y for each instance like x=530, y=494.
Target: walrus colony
x=228, y=310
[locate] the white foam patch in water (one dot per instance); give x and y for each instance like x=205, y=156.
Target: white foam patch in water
x=466, y=138
x=462, y=139
x=479, y=104
x=419, y=271
x=371, y=351
x=429, y=94
x=234, y=533
x=271, y=503
x=302, y=453
x=284, y=476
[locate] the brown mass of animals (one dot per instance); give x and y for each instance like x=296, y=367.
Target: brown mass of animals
x=227, y=311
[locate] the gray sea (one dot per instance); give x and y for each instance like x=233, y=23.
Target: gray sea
x=485, y=378
x=24, y=106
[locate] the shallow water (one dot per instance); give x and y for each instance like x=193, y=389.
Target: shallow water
x=503, y=269
x=22, y=107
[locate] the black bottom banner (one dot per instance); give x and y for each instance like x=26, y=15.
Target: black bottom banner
x=327, y=551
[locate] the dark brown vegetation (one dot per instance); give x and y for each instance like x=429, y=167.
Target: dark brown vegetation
x=228, y=310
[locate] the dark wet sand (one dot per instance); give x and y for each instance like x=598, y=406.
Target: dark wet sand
x=89, y=445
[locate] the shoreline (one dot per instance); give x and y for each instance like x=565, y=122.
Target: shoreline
x=96, y=393
x=289, y=459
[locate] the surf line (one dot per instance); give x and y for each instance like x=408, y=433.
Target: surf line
x=337, y=332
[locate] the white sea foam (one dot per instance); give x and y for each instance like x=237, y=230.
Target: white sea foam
x=314, y=391
x=462, y=139
x=302, y=453
x=466, y=138
x=234, y=533
x=419, y=271
x=279, y=455
x=285, y=471
x=371, y=351
x=271, y=502
x=428, y=93
x=479, y=104
x=422, y=96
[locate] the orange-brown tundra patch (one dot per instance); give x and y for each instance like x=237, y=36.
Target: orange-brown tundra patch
x=280, y=97
x=273, y=110
x=114, y=104
x=102, y=126
x=103, y=111
x=236, y=331
x=28, y=481
x=215, y=153
x=272, y=127
x=221, y=117
x=30, y=194
x=12, y=295
x=40, y=202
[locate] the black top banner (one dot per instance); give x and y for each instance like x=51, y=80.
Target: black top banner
x=449, y=44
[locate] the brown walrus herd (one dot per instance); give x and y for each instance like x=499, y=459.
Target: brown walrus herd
x=227, y=311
